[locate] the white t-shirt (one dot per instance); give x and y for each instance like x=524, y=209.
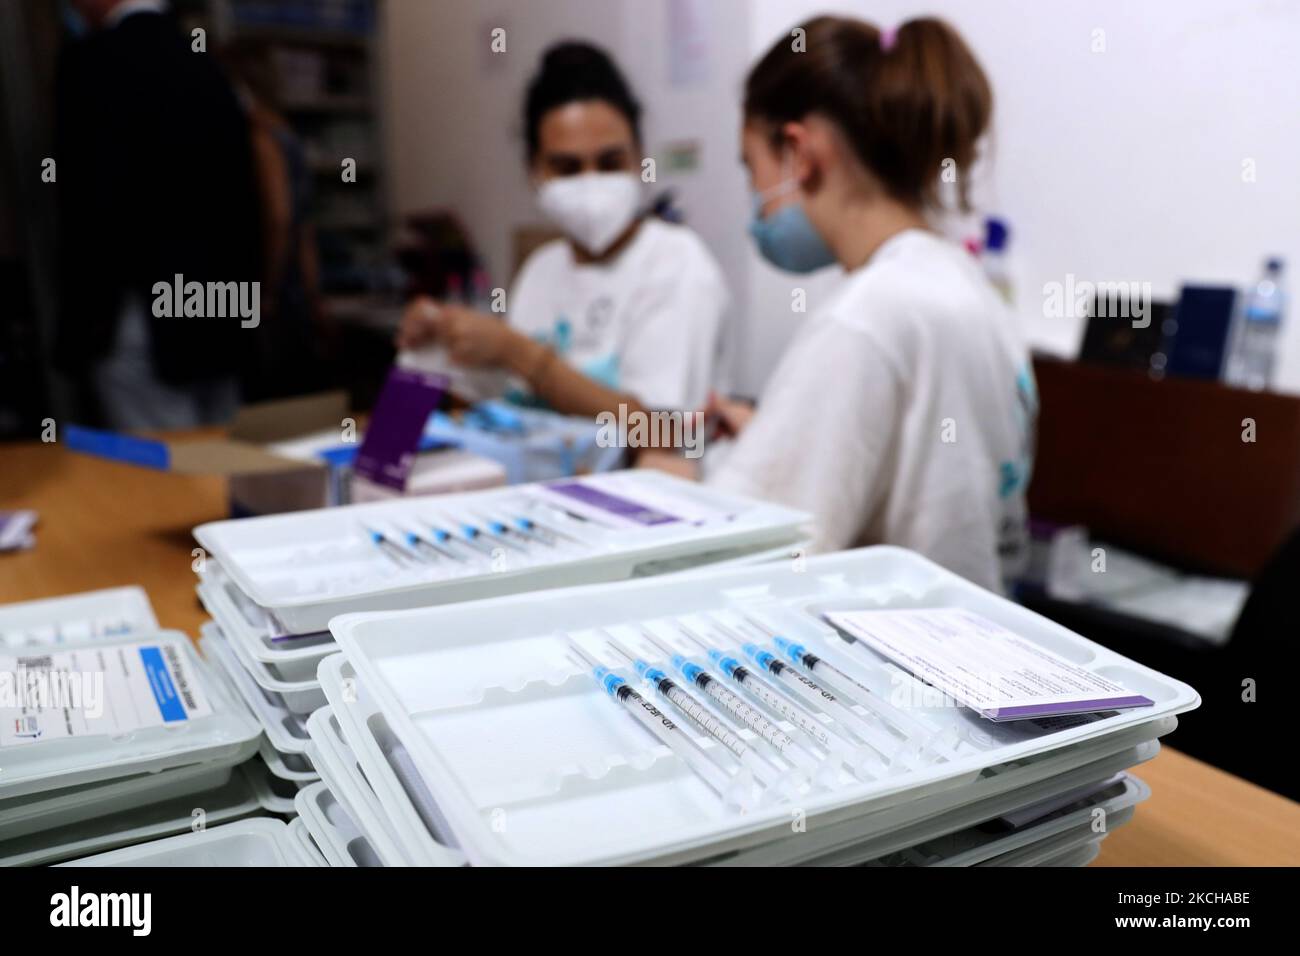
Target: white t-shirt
x=902, y=413
x=650, y=322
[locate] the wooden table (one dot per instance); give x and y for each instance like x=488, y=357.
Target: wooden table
x=104, y=525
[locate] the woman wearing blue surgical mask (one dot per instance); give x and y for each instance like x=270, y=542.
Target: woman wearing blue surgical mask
x=624, y=310
x=903, y=411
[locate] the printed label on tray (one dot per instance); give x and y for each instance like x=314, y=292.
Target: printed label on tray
x=983, y=665
x=93, y=691
x=627, y=503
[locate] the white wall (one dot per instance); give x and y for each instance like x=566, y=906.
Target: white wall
x=1122, y=165
x=1127, y=164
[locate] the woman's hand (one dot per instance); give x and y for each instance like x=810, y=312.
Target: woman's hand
x=475, y=339
x=419, y=323
x=727, y=416
x=471, y=338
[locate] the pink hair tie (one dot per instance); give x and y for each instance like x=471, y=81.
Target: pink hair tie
x=888, y=38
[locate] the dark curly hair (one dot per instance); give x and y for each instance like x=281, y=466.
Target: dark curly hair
x=572, y=71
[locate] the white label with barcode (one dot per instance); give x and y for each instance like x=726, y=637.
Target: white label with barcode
x=101, y=690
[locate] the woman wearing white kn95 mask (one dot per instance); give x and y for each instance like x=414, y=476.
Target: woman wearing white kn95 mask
x=625, y=309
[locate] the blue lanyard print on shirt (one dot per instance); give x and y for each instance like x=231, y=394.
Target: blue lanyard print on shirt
x=604, y=370
x=1015, y=474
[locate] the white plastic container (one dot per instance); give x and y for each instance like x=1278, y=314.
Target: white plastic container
x=973, y=846
x=36, y=812
x=227, y=735
x=306, y=842
x=250, y=628
x=112, y=612
x=300, y=696
x=332, y=829
x=257, y=842
x=307, y=567
x=382, y=760
x=504, y=728
x=285, y=729
x=906, y=824
x=348, y=785
x=998, y=791
x=291, y=768
x=234, y=800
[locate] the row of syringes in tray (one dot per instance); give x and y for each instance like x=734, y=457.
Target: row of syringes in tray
x=474, y=538
x=851, y=728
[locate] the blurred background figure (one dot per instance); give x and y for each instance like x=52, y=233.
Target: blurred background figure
x=156, y=180
x=625, y=309
x=289, y=343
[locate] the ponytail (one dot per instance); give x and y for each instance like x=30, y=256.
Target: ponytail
x=906, y=100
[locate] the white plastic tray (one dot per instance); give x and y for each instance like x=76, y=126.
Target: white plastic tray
x=1048, y=852
x=227, y=736
x=332, y=828
x=339, y=771
x=232, y=801
x=261, y=841
x=299, y=696
x=291, y=768
x=36, y=812
x=1077, y=858
x=306, y=842
x=996, y=791
x=285, y=729
x=901, y=825
x=249, y=627
x=975, y=845
x=273, y=796
x=308, y=566
x=76, y=617
x=503, y=726
x=382, y=760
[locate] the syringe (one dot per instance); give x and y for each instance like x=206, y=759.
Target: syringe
x=893, y=749
x=824, y=773
x=450, y=543
x=498, y=531
x=416, y=541
x=943, y=741
x=775, y=781
x=736, y=791
x=470, y=535
x=521, y=528
x=394, y=552
x=861, y=760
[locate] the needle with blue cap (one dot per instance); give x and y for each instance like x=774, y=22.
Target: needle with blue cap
x=468, y=538
x=531, y=530
x=473, y=536
x=824, y=773
x=737, y=791
x=894, y=749
x=862, y=761
x=777, y=782
x=501, y=532
x=944, y=741
x=395, y=552
x=436, y=546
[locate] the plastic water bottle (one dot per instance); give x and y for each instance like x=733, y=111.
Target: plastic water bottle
x=1255, y=348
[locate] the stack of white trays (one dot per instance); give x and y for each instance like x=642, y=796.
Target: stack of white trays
x=121, y=733
x=469, y=734
x=272, y=584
